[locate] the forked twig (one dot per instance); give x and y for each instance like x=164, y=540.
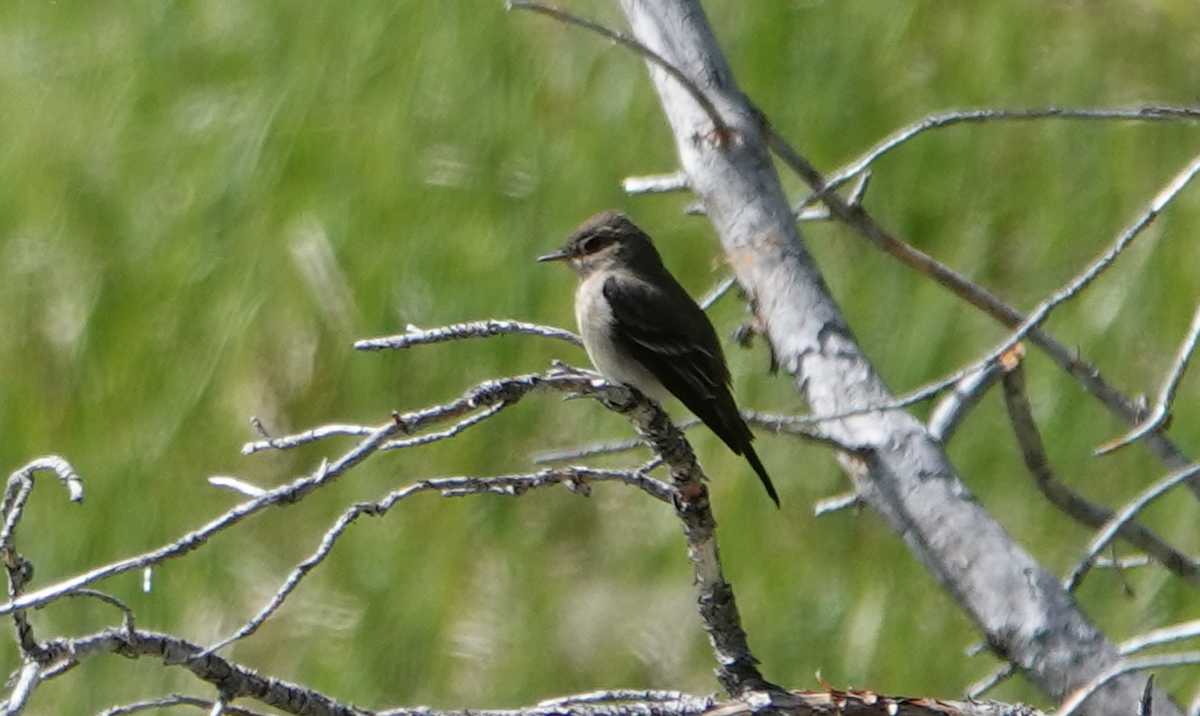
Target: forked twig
x=1033, y=452
x=510, y=485
x=1081, y=281
x=857, y=218
x=1123, y=516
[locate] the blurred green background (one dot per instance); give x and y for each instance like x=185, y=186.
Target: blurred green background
x=203, y=204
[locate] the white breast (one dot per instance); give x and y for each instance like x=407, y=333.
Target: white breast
x=596, y=325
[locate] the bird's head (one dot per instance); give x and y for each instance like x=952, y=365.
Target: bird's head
x=607, y=240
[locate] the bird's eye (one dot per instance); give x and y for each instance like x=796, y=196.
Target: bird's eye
x=592, y=245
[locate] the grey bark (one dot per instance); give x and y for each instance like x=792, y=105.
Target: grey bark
x=899, y=470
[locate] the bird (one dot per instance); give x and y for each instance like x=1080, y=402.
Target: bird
x=641, y=328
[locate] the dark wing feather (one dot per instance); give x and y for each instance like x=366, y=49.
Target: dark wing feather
x=663, y=329
x=670, y=336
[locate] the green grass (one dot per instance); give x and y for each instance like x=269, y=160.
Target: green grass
x=202, y=205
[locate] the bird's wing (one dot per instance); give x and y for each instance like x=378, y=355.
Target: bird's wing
x=665, y=331
x=668, y=334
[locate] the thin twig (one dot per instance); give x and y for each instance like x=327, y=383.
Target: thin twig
x=1121, y=517
x=60, y=467
x=487, y=398
x=1077, y=284
x=616, y=696
x=1124, y=666
x=606, y=448
x=1166, y=395
x=237, y=485
x=414, y=336
x=164, y=702
x=1124, y=563
x=716, y=292
x=510, y=485
x=1066, y=358
x=1158, y=637
x=720, y=128
x=306, y=437
x=1033, y=452
x=953, y=409
x=127, y=620
x=449, y=432
x=657, y=184
x=991, y=681
x=975, y=116
x=283, y=495
x=837, y=503
x=801, y=426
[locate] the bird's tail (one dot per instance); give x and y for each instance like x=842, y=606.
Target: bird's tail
x=752, y=458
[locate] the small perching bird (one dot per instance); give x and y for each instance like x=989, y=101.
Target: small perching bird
x=641, y=328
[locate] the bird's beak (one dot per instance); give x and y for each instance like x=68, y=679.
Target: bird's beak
x=560, y=255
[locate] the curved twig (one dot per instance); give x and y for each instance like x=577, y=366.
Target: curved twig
x=976, y=116
x=720, y=127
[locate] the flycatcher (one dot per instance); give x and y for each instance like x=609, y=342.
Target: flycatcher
x=641, y=328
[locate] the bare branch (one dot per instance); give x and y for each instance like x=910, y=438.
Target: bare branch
x=174, y=700
x=414, y=336
x=1125, y=666
x=1084, y=373
x=1038, y=463
x=716, y=292
x=489, y=397
x=283, y=495
x=1123, y=516
x=1158, y=637
x=837, y=503
x=621, y=695
x=799, y=425
x=448, y=433
x=1081, y=281
x=127, y=621
x=22, y=688
x=237, y=485
x=306, y=437
x=999, y=676
x=658, y=184
x=509, y=485
x=688, y=494
x=977, y=116
x=1166, y=395
x=232, y=680
x=59, y=466
x=967, y=393
x=901, y=473
x=605, y=448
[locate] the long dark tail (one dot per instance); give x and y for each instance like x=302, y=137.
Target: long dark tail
x=721, y=415
x=752, y=458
